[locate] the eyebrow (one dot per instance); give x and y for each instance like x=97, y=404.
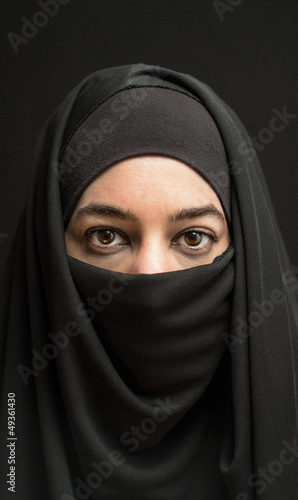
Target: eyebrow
x=184, y=214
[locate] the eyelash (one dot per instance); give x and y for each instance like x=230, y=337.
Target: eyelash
x=100, y=248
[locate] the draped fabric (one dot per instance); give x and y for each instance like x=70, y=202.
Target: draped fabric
x=162, y=332
x=93, y=420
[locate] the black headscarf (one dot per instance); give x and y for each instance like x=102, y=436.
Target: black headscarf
x=212, y=415
x=143, y=121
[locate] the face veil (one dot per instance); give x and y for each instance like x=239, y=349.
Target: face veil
x=235, y=436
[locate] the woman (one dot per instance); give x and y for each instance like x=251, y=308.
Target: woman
x=151, y=333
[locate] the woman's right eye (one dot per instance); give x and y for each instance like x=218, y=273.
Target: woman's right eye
x=105, y=238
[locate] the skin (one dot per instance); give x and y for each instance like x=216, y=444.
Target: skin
x=153, y=188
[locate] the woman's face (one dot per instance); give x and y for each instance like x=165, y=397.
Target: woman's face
x=148, y=214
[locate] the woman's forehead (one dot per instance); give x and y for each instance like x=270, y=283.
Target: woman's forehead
x=147, y=179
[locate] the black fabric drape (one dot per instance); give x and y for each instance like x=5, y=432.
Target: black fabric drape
x=245, y=443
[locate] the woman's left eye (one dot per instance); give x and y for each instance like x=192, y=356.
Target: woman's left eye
x=105, y=237
x=195, y=239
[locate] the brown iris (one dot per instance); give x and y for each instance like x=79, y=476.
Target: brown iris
x=105, y=236
x=193, y=238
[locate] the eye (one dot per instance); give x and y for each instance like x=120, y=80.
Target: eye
x=105, y=237
x=195, y=240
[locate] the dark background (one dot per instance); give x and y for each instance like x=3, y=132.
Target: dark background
x=248, y=56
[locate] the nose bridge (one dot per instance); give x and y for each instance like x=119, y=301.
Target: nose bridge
x=152, y=257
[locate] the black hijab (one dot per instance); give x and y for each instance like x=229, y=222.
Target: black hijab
x=91, y=422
